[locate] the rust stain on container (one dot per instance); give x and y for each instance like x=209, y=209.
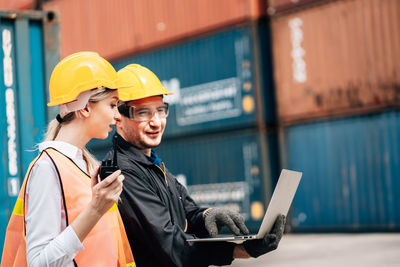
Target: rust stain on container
x=337, y=59
x=118, y=28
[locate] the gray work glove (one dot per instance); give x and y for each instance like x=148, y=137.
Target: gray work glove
x=258, y=247
x=215, y=218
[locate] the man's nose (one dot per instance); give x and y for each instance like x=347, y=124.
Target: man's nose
x=155, y=120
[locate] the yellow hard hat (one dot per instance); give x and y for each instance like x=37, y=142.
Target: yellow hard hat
x=78, y=73
x=137, y=82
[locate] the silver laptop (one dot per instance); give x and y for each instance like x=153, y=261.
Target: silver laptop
x=279, y=204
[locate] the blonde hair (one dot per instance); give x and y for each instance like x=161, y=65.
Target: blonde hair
x=54, y=127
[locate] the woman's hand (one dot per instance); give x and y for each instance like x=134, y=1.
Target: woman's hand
x=106, y=192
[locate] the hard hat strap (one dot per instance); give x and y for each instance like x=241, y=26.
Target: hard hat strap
x=79, y=103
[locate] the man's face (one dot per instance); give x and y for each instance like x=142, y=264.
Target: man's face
x=147, y=134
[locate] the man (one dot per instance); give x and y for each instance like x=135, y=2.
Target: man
x=157, y=211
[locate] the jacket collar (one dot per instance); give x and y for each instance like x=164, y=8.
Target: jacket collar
x=130, y=151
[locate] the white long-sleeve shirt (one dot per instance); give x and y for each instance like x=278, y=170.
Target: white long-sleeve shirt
x=49, y=241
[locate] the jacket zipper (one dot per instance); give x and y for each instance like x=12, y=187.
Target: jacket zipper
x=166, y=183
x=163, y=171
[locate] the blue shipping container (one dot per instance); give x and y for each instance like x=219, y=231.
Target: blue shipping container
x=29, y=52
x=234, y=170
x=351, y=173
x=220, y=81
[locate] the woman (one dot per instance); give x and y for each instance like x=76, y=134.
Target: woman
x=68, y=217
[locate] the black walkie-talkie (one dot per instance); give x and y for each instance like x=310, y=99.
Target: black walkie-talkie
x=109, y=166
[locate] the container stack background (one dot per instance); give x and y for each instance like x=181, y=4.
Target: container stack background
x=29, y=51
x=337, y=85
x=308, y=85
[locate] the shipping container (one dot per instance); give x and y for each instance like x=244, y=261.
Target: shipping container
x=118, y=28
x=220, y=81
x=30, y=50
x=351, y=173
x=337, y=59
x=235, y=170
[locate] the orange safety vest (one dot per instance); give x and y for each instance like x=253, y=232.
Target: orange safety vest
x=105, y=245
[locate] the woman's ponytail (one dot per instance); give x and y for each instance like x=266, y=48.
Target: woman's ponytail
x=52, y=130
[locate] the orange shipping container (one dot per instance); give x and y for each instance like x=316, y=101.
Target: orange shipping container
x=337, y=59
x=118, y=28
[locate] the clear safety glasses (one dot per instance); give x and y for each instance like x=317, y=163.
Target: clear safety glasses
x=144, y=113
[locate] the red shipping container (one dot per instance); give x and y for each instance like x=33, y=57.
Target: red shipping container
x=337, y=59
x=118, y=28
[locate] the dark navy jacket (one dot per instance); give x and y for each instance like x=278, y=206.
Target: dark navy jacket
x=156, y=210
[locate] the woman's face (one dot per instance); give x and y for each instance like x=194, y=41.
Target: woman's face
x=103, y=115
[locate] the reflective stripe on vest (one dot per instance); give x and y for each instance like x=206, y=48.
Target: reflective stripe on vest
x=105, y=245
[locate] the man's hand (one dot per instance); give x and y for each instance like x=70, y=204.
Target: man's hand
x=215, y=218
x=258, y=247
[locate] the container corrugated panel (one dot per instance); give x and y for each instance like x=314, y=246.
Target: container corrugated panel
x=117, y=28
x=337, y=59
x=351, y=173
x=220, y=81
x=234, y=170
x=27, y=52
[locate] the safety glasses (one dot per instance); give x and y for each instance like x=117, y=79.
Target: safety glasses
x=143, y=113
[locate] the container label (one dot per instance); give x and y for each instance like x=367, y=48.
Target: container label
x=209, y=102
x=10, y=102
x=296, y=36
x=11, y=133
x=7, y=60
x=234, y=195
x=13, y=186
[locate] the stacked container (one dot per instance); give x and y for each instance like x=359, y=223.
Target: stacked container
x=220, y=138
x=120, y=28
x=337, y=86
x=351, y=177
x=30, y=50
